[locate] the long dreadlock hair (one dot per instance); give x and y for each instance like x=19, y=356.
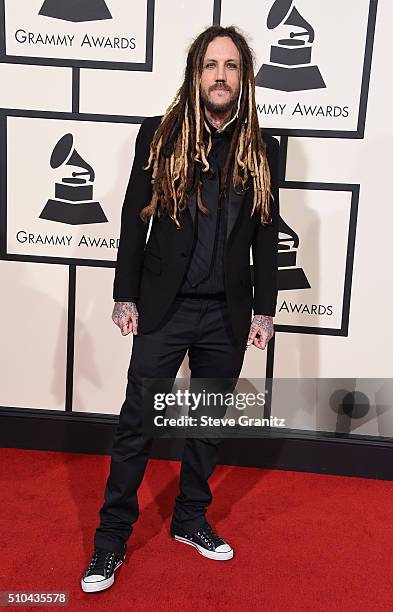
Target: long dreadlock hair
x=182, y=142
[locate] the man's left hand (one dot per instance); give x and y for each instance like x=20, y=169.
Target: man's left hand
x=261, y=331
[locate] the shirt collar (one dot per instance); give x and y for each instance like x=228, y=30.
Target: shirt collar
x=228, y=130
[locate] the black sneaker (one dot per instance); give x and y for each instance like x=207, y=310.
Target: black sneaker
x=205, y=540
x=99, y=575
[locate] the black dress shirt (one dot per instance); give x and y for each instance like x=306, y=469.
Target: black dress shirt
x=205, y=272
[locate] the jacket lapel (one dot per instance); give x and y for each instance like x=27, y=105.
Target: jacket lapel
x=236, y=202
x=192, y=207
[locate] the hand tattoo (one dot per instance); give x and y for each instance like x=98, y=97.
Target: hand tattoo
x=124, y=315
x=261, y=331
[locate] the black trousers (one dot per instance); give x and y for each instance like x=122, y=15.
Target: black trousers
x=200, y=325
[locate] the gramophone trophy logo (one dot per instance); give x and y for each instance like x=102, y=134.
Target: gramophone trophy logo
x=76, y=10
x=290, y=67
x=289, y=275
x=73, y=202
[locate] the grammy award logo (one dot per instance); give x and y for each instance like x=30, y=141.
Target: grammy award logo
x=73, y=201
x=289, y=275
x=290, y=66
x=76, y=10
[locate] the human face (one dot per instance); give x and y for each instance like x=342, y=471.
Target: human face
x=220, y=79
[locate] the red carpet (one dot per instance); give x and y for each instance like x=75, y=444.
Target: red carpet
x=302, y=541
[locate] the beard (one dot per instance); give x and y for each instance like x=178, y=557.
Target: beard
x=219, y=107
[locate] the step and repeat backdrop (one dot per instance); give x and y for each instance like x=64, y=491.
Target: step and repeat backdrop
x=78, y=77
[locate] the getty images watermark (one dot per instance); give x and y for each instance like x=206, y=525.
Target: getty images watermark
x=262, y=407
x=207, y=408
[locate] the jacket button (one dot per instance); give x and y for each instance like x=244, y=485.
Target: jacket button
x=185, y=253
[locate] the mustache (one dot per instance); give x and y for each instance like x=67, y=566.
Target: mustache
x=219, y=86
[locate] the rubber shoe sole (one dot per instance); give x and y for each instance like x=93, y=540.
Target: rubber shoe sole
x=210, y=554
x=100, y=585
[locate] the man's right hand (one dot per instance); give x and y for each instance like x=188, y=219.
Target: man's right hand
x=125, y=315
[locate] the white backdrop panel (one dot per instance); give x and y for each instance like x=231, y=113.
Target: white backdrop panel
x=321, y=220
x=107, y=147
x=33, y=315
x=338, y=64
x=45, y=32
x=35, y=87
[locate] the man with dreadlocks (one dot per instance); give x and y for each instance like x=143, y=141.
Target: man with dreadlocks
x=208, y=177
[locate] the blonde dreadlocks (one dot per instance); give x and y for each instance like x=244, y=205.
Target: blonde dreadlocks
x=183, y=139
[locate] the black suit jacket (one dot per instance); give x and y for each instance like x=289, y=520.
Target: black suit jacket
x=151, y=274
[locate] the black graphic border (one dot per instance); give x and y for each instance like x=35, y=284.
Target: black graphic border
x=351, y=239
x=363, y=100
x=146, y=66
x=4, y=255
